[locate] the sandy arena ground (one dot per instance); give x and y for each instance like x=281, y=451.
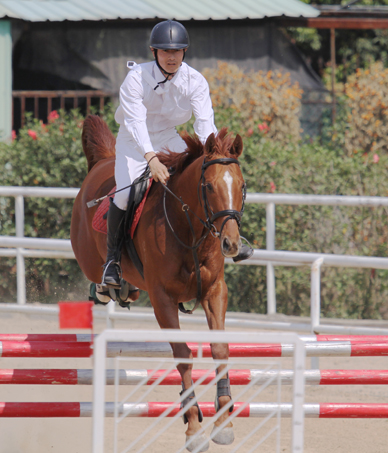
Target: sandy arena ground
x=67, y=435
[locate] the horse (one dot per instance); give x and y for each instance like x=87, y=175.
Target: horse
x=198, y=211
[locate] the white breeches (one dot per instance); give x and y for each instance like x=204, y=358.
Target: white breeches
x=130, y=164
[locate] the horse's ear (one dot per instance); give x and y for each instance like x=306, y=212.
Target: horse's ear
x=210, y=144
x=237, y=146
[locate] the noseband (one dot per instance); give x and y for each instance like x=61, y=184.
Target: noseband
x=208, y=223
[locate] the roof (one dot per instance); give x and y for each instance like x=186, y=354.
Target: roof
x=342, y=17
x=75, y=10
x=353, y=11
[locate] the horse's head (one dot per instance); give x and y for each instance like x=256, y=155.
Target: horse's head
x=223, y=189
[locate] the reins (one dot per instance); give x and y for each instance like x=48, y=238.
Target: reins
x=208, y=223
x=193, y=247
x=140, y=179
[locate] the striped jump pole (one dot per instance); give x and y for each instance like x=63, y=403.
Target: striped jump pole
x=159, y=349
x=149, y=377
x=87, y=337
x=64, y=337
x=151, y=410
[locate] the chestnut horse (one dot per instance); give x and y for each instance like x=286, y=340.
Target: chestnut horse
x=208, y=180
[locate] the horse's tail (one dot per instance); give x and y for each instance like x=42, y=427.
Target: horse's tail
x=98, y=141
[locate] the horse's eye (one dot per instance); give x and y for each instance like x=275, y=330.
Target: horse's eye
x=209, y=187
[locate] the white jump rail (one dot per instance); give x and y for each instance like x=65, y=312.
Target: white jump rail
x=99, y=377
x=21, y=247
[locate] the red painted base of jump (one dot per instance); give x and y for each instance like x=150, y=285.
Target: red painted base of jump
x=324, y=410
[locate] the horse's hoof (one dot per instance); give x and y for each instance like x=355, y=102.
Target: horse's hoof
x=193, y=442
x=223, y=437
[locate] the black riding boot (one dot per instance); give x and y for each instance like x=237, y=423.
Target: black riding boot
x=111, y=275
x=245, y=253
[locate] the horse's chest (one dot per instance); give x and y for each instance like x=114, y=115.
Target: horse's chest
x=186, y=280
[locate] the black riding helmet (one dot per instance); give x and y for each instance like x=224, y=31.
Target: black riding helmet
x=169, y=34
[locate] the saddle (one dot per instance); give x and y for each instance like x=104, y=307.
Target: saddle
x=137, y=198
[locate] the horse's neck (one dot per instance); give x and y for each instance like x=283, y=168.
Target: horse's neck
x=187, y=187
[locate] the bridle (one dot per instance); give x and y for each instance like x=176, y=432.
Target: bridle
x=210, y=217
x=230, y=214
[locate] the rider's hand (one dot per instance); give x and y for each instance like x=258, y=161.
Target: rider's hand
x=158, y=170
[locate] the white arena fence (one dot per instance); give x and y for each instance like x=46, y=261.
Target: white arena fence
x=21, y=247
x=248, y=397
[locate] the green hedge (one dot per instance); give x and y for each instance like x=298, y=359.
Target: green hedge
x=55, y=158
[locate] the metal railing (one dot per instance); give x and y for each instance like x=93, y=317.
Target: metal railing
x=22, y=247
x=41, y=102
x=55, y=100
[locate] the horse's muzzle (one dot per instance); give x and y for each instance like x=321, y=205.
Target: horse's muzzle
x=230, y=248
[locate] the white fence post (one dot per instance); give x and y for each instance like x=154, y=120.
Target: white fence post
x=298, y=397
x=315, y=304
x=99, y=380
x=270, y=240
x=315, y=293
x=20, y=264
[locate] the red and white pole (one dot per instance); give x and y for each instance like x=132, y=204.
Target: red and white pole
x=148, y=377
x=252, y=410
x=156, y=349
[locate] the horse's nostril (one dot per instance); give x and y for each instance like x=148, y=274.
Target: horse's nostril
x=226, y=244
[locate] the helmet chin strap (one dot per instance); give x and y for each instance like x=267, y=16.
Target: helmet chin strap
x=163, y=71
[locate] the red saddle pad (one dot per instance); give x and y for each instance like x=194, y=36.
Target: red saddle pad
x=99, y=222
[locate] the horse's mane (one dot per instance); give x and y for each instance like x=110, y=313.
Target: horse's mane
x=195, y=149
x=98, y=141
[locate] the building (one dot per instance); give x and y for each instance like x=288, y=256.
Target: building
x=77, y=44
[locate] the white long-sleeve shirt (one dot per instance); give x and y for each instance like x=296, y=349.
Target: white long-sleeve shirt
x=145, y=110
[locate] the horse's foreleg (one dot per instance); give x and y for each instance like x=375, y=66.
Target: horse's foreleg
x=215, y=306
x=167, y=317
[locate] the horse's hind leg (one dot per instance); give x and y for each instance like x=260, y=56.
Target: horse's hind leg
x=167, y=317
x=215, y=305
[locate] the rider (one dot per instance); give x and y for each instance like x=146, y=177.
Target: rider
x=155, y=97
